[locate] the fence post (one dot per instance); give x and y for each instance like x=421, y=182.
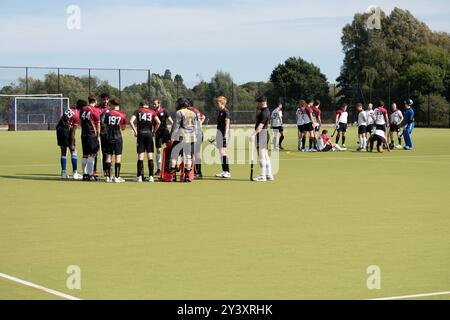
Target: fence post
x=89, y=81
x=59, y=83
x=149, y=84
x=429, y=109
x=120, y=83
x=26, y=80
x=232, y=96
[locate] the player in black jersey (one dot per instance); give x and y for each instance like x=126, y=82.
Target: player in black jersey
x=223, y=135
x=262, y=140
x=145, y=123
x=162, y=135
x=115, y=122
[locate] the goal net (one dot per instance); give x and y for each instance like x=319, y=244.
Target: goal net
x=35, y=112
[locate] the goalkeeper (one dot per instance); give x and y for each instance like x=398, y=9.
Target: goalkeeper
x=184, y=138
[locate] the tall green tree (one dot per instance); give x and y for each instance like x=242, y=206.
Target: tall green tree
x=298, y=79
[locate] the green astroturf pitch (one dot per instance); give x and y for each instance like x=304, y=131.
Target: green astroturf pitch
x=310, y=234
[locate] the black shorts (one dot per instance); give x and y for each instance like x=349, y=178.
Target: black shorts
x=369, y=128
x=308, y=127
x=362, y=129
x=114, y=147
x=90, y=144
x=145, y=143
x=63, y=137
x=301, y=128
x=327, y=148
x=394, y=127
x=342, y=127
x=161, y=137
x=104, y=143
x=381, y=127
x=279, y=129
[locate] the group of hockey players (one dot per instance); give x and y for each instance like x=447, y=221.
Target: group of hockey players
x=386, y=128
x=102, y=123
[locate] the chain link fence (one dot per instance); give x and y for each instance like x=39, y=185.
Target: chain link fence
x=132, y=85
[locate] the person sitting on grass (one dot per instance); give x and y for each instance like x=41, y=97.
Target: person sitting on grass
x=326, y=145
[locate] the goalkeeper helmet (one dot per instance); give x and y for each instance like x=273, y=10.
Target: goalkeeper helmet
x=409, y=102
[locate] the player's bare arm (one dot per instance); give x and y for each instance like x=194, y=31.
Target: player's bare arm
x=157, y=124
x=133, y=125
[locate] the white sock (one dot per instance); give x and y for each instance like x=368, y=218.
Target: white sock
x=263, y=165
x=84, y=165
x=90, y=166
x=364, y=142
x=269, y=168
x=158, y=161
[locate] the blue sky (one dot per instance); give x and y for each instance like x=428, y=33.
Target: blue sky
x=247, y=38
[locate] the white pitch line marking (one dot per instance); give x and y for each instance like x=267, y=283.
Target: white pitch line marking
x=416, y=296
x=36, y=286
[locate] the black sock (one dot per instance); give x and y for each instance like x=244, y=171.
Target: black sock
x=400, y=141
x=199, y=169
x=311, y=141
x=104, y=160
x=337, y=140
x=343, y=140
x=108, y=169
x=304, y=143
x=150, y=168
x=117, y=167
x=140, y=168
x=281, y=140
x=225, y=166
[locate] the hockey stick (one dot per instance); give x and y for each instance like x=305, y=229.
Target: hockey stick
x=252, y=159
x=334, y=132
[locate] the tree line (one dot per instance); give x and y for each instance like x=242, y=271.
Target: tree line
x=403, y=59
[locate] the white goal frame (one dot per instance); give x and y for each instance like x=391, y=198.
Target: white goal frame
x=58, y=97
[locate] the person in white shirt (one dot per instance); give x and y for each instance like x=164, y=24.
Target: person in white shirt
x=370, y=121
x=362, y=127
x=301, y=124
x=277, y=127
x=341, y=123
x=395, y=119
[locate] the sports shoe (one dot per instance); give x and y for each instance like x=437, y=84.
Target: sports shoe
x=260, y=179
x=158, y=172
x=398, y=147
x=408, y=148
x=281, y=148
x=138, y=179
x=198, y=176
x=119, y=180
x=92, y=178
x=108, y=180
x=64, y=176
x=151, y=179
x=187, y=179
x=77, y=176
x=344, y=146
x=270, y=178
x=226, y=175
